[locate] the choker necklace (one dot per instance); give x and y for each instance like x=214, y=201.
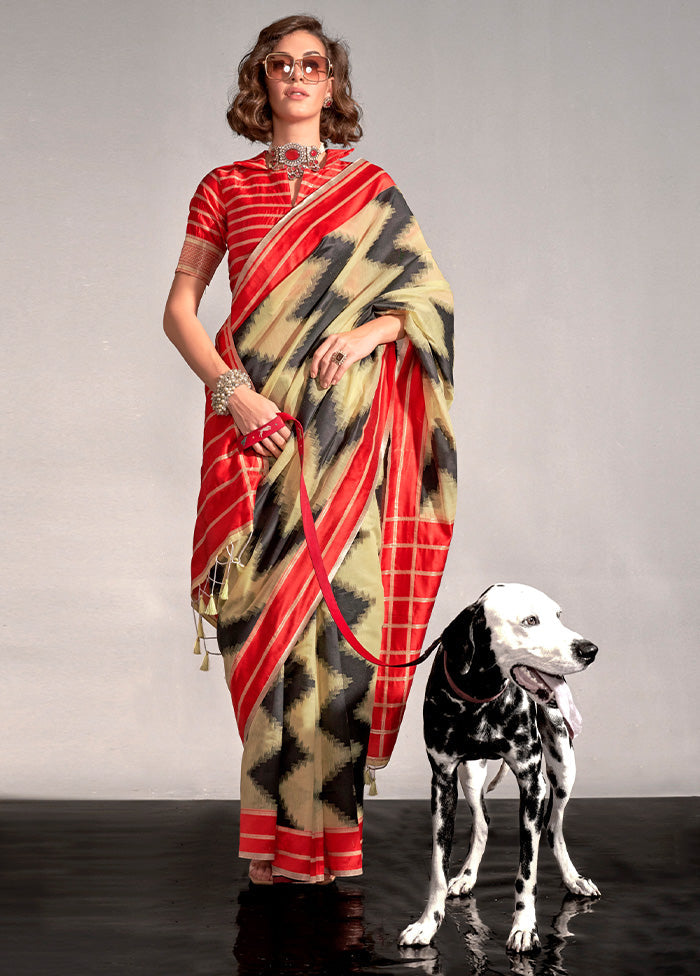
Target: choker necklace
x=295, y=158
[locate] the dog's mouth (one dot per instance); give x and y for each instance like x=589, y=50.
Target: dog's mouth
x=545, y=688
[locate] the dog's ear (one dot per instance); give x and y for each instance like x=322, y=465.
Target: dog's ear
x=467, y=640
x=457, y=637
x=480, y=635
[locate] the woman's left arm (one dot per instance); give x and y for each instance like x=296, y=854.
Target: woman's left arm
x=354, y=345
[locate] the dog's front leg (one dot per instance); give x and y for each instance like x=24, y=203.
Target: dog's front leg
x=561, y=772
x=443, y=803
x=523, y=934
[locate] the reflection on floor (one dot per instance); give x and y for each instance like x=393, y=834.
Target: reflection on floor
x=152, y=888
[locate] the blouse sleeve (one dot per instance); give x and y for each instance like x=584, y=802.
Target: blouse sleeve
x=205, y=240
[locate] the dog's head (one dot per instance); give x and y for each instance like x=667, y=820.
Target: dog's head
x=533, y=647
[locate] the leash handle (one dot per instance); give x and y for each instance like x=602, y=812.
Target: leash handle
x=314, y=546
x=260, y=433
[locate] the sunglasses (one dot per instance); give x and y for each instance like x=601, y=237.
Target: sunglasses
x=314, y=67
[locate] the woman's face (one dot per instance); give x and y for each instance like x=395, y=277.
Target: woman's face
x=294, y=99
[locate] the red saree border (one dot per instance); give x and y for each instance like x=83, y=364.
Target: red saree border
x=301, y=854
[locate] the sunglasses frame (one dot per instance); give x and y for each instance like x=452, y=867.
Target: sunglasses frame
x=298, y=61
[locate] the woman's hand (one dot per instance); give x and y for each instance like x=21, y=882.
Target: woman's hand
x=354, y=346
x=251, y=410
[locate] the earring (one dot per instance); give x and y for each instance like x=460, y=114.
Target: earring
x=327, y=101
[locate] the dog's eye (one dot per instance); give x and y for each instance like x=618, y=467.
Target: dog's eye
x=531, y=621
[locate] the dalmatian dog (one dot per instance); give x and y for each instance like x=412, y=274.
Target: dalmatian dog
x=497, y=690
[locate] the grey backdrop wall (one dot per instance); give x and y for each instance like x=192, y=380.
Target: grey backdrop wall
x=549, y=149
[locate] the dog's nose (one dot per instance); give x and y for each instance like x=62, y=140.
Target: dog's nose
x=584, y=650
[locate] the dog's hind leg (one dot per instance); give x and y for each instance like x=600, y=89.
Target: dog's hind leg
x=472, y=776
x=561, y=773
x=443, y=802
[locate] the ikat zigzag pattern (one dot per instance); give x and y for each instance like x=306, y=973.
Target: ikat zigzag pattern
x=305, y=755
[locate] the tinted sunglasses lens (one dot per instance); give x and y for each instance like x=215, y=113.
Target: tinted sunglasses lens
x=314, y=68
x=279, y=66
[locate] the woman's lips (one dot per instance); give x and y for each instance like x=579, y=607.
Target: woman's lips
x=296, y=93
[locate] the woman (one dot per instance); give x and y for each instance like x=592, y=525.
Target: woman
x=340, y=318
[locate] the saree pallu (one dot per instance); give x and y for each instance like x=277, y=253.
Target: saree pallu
x=381, y=476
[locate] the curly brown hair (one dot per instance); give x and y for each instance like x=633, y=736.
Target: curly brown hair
x=249, y=111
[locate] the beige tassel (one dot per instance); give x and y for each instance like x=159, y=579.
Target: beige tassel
x=200, y=628
x=223, y=595
x=368, y=778
x=202, y=606
x=373, y=788
x=197, y=648
x=205, y=662
x=211, y=607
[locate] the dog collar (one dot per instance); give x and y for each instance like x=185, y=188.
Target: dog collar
x=463, y=694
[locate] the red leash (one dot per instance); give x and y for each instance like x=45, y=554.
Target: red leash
x=313, y=545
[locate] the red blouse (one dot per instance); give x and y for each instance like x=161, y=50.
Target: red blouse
x=235, y=206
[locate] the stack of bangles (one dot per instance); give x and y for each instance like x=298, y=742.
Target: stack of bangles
x=225, y=385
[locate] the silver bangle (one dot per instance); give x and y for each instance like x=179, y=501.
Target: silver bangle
x=225, y=385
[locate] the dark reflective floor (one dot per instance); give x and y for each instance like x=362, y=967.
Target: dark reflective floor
x=150, y=888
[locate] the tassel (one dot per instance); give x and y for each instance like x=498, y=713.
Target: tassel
x=197, y=648
x=223, y=594
x=368, y=779
x=373, y=788
x=202, y=608
x=205, y=662
x=369, y=770
x=200, y=628
x=211, y=607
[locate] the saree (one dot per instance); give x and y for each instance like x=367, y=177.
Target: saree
x=380, y=471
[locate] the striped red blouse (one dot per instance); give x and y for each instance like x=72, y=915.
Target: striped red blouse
x=235, y=206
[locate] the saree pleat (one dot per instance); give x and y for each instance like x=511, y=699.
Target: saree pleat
x=302, y=776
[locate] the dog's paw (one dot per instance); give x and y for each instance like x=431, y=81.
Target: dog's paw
x=523, y=940
x=460, y=886
x=583, y=888
x=422, y=932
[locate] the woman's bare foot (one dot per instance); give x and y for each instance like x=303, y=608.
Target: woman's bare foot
x=260, y=872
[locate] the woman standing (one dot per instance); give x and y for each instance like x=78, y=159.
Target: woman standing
x=340, y=318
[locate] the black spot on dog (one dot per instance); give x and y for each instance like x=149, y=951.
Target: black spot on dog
x=534, y=807
x=519, y=886
x=438, y=917
x=550, y=837
x=468, y=872
x=561, y=794
x=519, y=905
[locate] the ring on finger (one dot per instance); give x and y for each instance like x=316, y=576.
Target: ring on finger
x=339, y=357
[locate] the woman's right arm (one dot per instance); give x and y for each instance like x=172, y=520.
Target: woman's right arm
x=181, y=325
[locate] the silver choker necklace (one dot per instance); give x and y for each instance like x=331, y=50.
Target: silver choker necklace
x=295, y=158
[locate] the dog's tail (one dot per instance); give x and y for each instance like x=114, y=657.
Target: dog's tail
x=498, y=777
